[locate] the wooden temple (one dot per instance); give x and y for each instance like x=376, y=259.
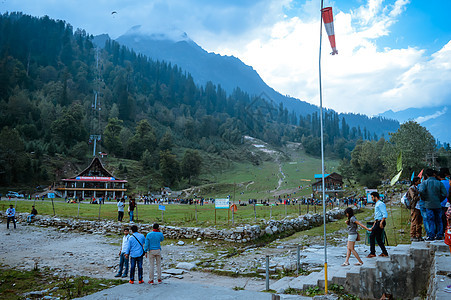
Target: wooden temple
x=93, y=182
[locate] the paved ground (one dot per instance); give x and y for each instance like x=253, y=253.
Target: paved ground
x=172, y=290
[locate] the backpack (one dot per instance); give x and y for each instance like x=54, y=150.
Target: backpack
x=405, y=200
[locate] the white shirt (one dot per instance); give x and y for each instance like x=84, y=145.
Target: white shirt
x=124, y=242
x=120, y=206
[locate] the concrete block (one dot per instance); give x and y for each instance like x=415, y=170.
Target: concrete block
x=339, y=277
x=368, y=283
x=304, y=282
x=282, y=284
x=352, y=283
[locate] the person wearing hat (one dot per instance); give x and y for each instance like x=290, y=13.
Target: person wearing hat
x=11, y=214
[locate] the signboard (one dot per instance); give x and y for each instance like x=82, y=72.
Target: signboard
x=161, y=207
x=222, y=203
x=94, y=178
x=368, y=195
x=51, y=195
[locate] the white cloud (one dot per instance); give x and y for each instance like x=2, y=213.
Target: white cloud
x=362, y=78
x=433, y=116
x=279, y=38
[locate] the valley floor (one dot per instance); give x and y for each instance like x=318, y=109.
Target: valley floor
x=78, y=254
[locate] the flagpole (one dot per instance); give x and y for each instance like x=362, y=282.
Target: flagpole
x=322, y=148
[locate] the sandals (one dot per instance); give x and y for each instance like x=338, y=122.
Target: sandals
x=344, y=264
x=358, y=264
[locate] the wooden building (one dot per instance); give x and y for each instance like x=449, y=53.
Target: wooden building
x=333, y=184
x=93, y=182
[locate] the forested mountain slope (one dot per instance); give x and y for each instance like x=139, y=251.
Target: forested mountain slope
x=151, y=112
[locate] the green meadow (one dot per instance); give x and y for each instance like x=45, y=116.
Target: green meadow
x=174, y=214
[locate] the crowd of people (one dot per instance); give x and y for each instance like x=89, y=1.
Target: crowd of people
x=430, y=202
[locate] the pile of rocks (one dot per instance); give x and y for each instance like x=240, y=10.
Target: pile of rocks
x=241, y=234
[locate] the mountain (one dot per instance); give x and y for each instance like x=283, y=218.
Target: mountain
x=435, y=119
x=227, y=71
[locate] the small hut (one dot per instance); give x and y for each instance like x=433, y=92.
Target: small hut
x=333, y=184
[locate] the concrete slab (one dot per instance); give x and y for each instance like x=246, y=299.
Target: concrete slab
x=281, y=285
x=441, y=280
x=175, y=291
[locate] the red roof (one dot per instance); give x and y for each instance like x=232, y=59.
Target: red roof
x=95, y=172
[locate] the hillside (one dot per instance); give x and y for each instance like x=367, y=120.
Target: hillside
x=58, y=91
x=228, y=72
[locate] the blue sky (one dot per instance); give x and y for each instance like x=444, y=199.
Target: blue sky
x=393, y=54
x=424, y=24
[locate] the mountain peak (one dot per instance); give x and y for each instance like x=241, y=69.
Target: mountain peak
x=168, y=33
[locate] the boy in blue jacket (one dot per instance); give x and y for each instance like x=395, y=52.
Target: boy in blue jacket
x=153, y=246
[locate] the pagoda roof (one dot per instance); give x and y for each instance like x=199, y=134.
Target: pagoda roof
x=95, y=172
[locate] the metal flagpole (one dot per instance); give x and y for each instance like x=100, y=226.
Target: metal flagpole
x=322, y=148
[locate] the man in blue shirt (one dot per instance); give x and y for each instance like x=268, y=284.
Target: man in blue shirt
x=433, y=192
x=153, y=240
x=380, y=215
x=135, y=250
x=11, y=216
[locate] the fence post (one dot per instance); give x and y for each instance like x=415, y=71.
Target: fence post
x=255, y=213
x=267, y=272
x=298, y=259
x=52, y=206
x=233, y=215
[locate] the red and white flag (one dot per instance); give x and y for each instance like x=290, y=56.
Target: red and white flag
x=328, y=19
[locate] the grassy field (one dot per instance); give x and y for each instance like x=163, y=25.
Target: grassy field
x=258, y=182
x=398, y=224
x=175, y=214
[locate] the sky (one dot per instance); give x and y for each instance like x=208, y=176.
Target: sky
x=393, y=54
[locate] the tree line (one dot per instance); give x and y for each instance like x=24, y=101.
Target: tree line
x=151, y=111
x=372, y=161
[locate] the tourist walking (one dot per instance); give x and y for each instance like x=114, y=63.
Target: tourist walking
x=120, y=209
x=123, y=262
x=135, y=250
x=380, y=215
x=415, y=214
x=33, y=214
x=433, y=192
x=11, y=216
x=131, y=208
x=153, y=246
x=352, y=236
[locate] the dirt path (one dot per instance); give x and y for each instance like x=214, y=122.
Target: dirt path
x=77, y=254
x=71, y=253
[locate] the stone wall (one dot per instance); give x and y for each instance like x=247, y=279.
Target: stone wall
x=240, y=234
